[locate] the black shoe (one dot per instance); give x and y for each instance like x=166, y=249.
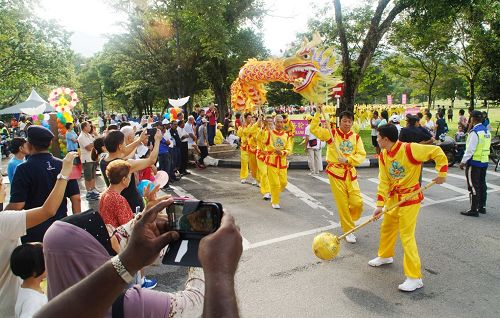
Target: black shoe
x=482, y=210
x=470, y=213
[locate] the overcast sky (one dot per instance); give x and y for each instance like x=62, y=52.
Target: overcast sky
x=91, y=20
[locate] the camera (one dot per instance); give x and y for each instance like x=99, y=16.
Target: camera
x=193, y=218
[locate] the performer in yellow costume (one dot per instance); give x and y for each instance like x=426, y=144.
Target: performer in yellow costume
x=243, y=134
x=252, y=152
x=262, y=151
x=399, y=171
x=345, y=151
x=279, y=147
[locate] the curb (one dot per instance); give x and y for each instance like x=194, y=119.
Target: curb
x=368, y=163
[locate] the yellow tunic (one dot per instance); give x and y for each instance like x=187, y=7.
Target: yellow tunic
x=399, y=171
x=400, y=168
x=343, y=177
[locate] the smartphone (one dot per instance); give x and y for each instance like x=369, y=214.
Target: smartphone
x=194, y=219
x=151, y=135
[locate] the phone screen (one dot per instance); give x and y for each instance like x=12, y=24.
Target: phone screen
x=202, y=220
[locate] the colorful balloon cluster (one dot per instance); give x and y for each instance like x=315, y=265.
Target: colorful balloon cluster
x=172, y=113
x=63, y=99
x=42, y=119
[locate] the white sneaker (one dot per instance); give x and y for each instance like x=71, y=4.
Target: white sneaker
x=411, y=284
x=254, y=182
x=378, y=261
x=95, y=191
x=267, y=196
x=243, y=181
x=276, y=206
x=310, y=173
x=351, y=238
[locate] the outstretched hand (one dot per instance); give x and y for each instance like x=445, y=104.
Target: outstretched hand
x=220, y=252
x=150, y=235
x=68, y=163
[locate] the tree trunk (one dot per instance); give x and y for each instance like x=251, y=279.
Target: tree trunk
x=352, y=77
x=472, y=83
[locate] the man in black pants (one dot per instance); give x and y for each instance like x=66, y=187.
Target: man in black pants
x=184, y=148
x=475, y=162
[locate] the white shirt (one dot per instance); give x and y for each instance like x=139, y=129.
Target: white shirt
x=12, y=227
x=168, y=137
x=84, y=140
x=29, y=301
x=375, y=123
x=100, y=121
x=231, y=139
x=311, y=137
x=189, y=129
x=182, y=132
x=430, y=125
x=471, y=148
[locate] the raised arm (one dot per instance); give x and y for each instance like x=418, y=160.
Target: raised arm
x=94, y=295
x=321, y=133
x=139, y=164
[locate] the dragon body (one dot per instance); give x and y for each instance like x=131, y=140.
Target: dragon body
x=310, y=71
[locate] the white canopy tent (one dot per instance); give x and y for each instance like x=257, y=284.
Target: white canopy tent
x=33, y=101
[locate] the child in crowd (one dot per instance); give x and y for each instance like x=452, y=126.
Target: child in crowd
x=19, y=150
x=27, y=262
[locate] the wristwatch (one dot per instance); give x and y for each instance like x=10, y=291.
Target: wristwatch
x=121, y=270
x=61, y=176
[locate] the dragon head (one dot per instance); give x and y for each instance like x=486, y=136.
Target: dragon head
x=310, y=69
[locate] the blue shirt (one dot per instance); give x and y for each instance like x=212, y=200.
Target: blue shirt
x=70, y=145
x=32, y=183
x=11, y=168
x=164, y=148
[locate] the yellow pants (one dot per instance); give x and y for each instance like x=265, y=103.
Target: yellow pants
x=347, y=196
x=264, y=180
x=244, y=165
x=277, y=182
x=404, y=221
x=252, y=161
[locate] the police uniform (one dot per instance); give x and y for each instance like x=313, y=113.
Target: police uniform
x=35, y=178
x=399, y=171
x=343, y=177
x=476, y=159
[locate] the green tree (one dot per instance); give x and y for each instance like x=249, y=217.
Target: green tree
x=33, y=53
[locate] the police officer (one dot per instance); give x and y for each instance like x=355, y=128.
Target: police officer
x=475, y=161
x=34, y=179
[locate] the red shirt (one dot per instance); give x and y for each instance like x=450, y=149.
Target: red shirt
x=211, y=117
x=114, y=208
x=146, y=174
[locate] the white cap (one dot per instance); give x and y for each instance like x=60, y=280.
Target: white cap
x=394, y=119
x=165, y=121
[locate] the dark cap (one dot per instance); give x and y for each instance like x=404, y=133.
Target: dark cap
x=39, y=136
x=476, y=114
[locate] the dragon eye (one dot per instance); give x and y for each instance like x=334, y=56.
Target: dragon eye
x=306, y=56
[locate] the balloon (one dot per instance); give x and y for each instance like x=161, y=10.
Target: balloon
x=161, y=178
x=68, y=117
x=46, y=117
x=173, y=113
x=143, y=184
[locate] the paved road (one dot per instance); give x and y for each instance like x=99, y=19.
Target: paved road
x=280, y=277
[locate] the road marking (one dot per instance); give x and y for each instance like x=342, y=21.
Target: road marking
x=457, y=176
x=332, y=226
x=493, y=173
x=306, y=198
x=449, y=186
x=366, y=199
x=457, y=198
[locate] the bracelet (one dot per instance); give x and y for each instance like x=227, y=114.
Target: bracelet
x=121, y=270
